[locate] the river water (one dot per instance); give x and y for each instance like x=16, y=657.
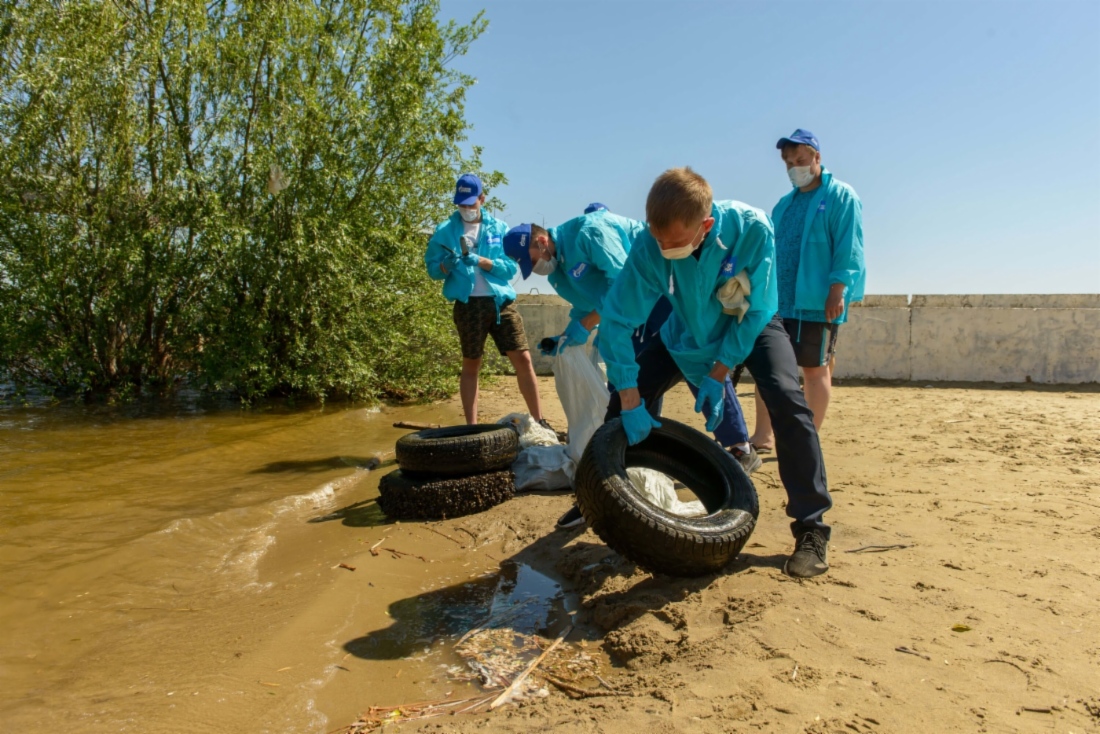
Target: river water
x=162, y=568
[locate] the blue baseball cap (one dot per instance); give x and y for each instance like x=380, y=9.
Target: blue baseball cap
x=517, y=244
x=467, y=190
x=800, y=137
x=595, y=206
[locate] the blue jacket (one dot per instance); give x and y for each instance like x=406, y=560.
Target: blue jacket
x=591, y=251
x=458, y=282
x=698, y=333
x=832, y=245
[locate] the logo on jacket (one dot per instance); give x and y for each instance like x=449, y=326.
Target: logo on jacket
x=494, y=239
x=821, y=208
x=579, y=270
x=729, y=265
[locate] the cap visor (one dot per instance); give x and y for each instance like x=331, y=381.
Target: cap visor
x=785, y=141
x=466, y=201
x=525, y=267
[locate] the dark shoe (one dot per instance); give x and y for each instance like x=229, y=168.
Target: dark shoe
x=563, y=436
x=808, y=558
x=571, y=519
x=750, y=461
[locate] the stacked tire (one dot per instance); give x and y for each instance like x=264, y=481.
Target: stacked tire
x=450, y=472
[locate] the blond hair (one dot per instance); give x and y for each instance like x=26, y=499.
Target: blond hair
x=678, y=195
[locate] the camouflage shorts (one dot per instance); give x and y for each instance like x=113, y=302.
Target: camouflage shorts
x=477, y=319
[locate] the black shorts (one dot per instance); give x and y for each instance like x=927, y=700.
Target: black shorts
x=477, y=319
x=814, y=342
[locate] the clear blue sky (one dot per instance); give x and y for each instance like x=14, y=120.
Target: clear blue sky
x=971, y=130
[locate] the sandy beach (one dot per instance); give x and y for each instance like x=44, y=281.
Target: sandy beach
x=974, y=613
x=961, y=596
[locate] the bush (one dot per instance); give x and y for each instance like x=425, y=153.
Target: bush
x=228, y=191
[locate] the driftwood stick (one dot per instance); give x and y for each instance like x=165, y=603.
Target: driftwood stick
x=879, y=548
x=448, y=537
x=510, y=690
x=414, y=425
x=577, y=690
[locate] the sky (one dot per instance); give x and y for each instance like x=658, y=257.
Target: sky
x=970, y=129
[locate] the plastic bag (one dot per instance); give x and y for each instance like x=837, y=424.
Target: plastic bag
x=660, y=490
x=582, y=389
x=543, y=467
x=530, y=432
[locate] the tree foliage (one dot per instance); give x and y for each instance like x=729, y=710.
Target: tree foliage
x=230, y=191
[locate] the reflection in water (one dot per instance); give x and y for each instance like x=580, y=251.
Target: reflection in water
x=532, y=602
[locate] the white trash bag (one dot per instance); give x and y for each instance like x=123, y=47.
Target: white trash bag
x=530, y=432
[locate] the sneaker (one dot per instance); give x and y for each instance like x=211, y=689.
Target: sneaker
x=563, y=437
x=808, y=558
x=750, y=461
x=571, y=519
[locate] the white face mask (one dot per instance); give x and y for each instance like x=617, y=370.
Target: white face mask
x=800, y=175
x=679, y=253
x=544, y=267
x=469, y=215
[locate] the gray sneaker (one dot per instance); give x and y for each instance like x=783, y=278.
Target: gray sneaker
x=808, y=558
x=750, y=461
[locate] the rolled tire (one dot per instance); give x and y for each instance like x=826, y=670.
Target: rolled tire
x=456, y=451
x=649, y=536
x=403, y=497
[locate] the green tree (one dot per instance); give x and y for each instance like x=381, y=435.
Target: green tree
x=228, y=190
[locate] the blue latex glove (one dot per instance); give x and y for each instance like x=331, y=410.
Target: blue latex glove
x=471, y=259
x=450, y=263
x=638, y=423
x=711, y=391
x=575, y=334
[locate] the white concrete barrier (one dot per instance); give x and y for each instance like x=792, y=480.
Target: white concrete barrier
x=1052, y=339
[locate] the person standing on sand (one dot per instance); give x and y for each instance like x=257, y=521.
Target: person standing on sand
x=466, y=253
x=581, y=259
x=714, y=263
x=820, y=270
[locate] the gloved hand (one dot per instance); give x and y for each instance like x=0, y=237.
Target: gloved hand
x=471, y=259
x=548, y=351
x=575, y=334
x=450, y=263
x=711, y=391
x=638, y=423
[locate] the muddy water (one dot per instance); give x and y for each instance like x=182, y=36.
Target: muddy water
x=172, y=570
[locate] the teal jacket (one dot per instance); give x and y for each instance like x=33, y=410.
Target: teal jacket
x=591, y=251
x=832, y=245
x=459, y=281
x=698, y=333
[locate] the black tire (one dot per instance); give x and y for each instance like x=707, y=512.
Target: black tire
x=457, y=451
x=407, y=498
x=649, y=536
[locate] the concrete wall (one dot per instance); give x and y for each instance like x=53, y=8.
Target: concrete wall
x=1051, y=339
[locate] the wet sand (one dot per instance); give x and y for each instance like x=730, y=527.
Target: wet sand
x=992, y=491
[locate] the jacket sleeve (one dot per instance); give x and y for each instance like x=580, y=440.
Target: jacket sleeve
x=846, y=230
x=504, y=267
x=625, y=308
x=757, y=244
x=436, y=254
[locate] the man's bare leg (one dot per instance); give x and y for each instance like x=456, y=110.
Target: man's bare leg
x=467, y=388
x=528, y=383
x=762, y=436
x=817, y=383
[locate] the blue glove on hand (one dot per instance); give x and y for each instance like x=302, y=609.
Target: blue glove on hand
x=471, y=259
x=575, y=334
x=711, y=391
x=638, y=423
